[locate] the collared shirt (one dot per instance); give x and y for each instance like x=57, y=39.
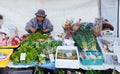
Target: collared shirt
x=46, y=24
x=40, y=25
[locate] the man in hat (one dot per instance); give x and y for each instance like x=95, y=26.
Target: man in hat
x=39, y=23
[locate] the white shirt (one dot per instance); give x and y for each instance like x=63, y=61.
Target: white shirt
x=10, y=30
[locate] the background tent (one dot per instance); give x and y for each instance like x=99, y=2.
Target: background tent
x=18, y=12
x=109, y=9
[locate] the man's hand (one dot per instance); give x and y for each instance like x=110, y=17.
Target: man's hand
x=32, y=29
x=46, y=30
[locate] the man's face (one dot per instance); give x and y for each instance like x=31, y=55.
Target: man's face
x=39, y=18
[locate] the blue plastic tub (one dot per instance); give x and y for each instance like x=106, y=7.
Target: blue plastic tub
x=92, y=61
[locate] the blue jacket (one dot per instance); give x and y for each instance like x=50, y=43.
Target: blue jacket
x=34, y=23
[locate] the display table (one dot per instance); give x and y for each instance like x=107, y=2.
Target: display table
x=11, y=65
x=34, y=65
x=48, y=65
x=100, y=67
x=51, y=66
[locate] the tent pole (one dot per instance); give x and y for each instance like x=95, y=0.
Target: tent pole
x=100, y=14
x=118, y=20
x=99, y=8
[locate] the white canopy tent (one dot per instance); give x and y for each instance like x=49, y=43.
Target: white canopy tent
x=19, y=12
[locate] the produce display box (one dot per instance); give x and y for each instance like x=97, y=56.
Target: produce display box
x=4, y=62
x=108, y=47
x=91, y=58
x=106, y=44
x=67, y=57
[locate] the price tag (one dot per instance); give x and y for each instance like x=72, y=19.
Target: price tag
x=69, y=54
x=51, y=56
x=22, y=56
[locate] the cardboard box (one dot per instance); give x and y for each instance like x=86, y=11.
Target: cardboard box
x=67, y=57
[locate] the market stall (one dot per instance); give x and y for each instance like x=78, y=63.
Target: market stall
x=81, y=46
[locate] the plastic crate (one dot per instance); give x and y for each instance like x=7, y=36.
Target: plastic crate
x=90, y=60
x=4, y=62
x=22, y=72
x=67, y=57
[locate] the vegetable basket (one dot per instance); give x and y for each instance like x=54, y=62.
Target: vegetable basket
x=91, y=58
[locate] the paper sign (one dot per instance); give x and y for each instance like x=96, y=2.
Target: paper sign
x=118, y=56
x=117, y=52
x=69, y=54
x=51, y=56
x=22, y=56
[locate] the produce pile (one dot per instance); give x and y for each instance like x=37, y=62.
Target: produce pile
x=35, y=45
x=31, y=54
x=84, y=38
